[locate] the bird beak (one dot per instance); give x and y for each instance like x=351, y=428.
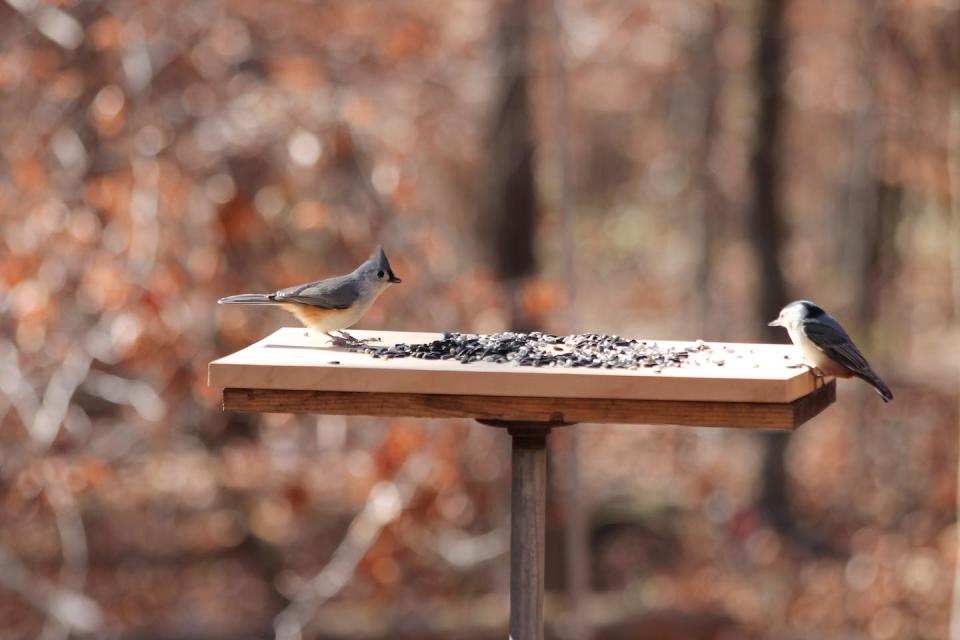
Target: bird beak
x=394, y=279
x=775, y=323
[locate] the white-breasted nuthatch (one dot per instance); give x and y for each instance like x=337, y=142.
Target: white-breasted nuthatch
x=333, y=304
x=826, y=345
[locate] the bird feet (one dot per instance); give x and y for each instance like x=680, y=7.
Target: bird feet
x=356, y=340
x=340, y=341
x=818, y=375
x=346, y=340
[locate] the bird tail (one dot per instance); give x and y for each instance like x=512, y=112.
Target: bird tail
x=248, y=298
x=881, y=387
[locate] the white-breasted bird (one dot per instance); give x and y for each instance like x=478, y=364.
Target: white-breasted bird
x=826, y=345
x=333, y=304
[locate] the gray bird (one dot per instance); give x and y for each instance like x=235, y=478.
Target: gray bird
x=825, y=344
x=333, y=304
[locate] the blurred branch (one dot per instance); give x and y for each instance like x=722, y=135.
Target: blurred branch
x=453, y=547
x=134, y=393
x=73, y=539
x=14, y=385
x=73, y=548
x=56, y=397
x=71, y=609
x=54, y=23
x=385, y=503
x=144, y=210
x=587, y=34
x=136, y=61
x=466, y=552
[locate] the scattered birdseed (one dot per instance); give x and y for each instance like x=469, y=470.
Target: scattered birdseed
x=536, y=349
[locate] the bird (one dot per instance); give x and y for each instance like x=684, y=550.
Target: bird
x=334, y=304
x=825, y=344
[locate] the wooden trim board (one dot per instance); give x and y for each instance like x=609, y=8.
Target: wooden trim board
x=751, y=415
x=290, y=360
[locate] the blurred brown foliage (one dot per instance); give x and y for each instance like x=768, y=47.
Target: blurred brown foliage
x=157, y=156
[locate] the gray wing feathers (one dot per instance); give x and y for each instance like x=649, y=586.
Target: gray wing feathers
x=831, y=338
x=827, y=334
x=247, y=298
x=335, y=293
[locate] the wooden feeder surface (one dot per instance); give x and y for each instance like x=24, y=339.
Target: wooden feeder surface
x=729, y=385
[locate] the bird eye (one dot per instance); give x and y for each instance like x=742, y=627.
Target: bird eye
x=380, y=274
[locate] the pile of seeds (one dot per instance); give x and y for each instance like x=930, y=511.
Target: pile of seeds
x=544, y=350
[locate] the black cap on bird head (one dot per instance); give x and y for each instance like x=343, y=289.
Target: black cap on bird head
x=379, y=258
x=797, y=311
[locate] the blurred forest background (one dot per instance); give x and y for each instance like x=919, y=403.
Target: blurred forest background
x=658, y=168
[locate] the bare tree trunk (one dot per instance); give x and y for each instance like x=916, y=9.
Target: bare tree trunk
x=861, y=239
x=951, y=53
x=953, y=138
x=766, y=233
x=765, y=214
x=508, y=203
x=576, y=551
x=707, y=206
x=856, y=245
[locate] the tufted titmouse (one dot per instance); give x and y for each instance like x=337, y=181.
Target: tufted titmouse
x=333, y=304
x=825, y=344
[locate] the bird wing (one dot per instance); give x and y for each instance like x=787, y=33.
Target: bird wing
x=827, y=334
x=334, y=293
